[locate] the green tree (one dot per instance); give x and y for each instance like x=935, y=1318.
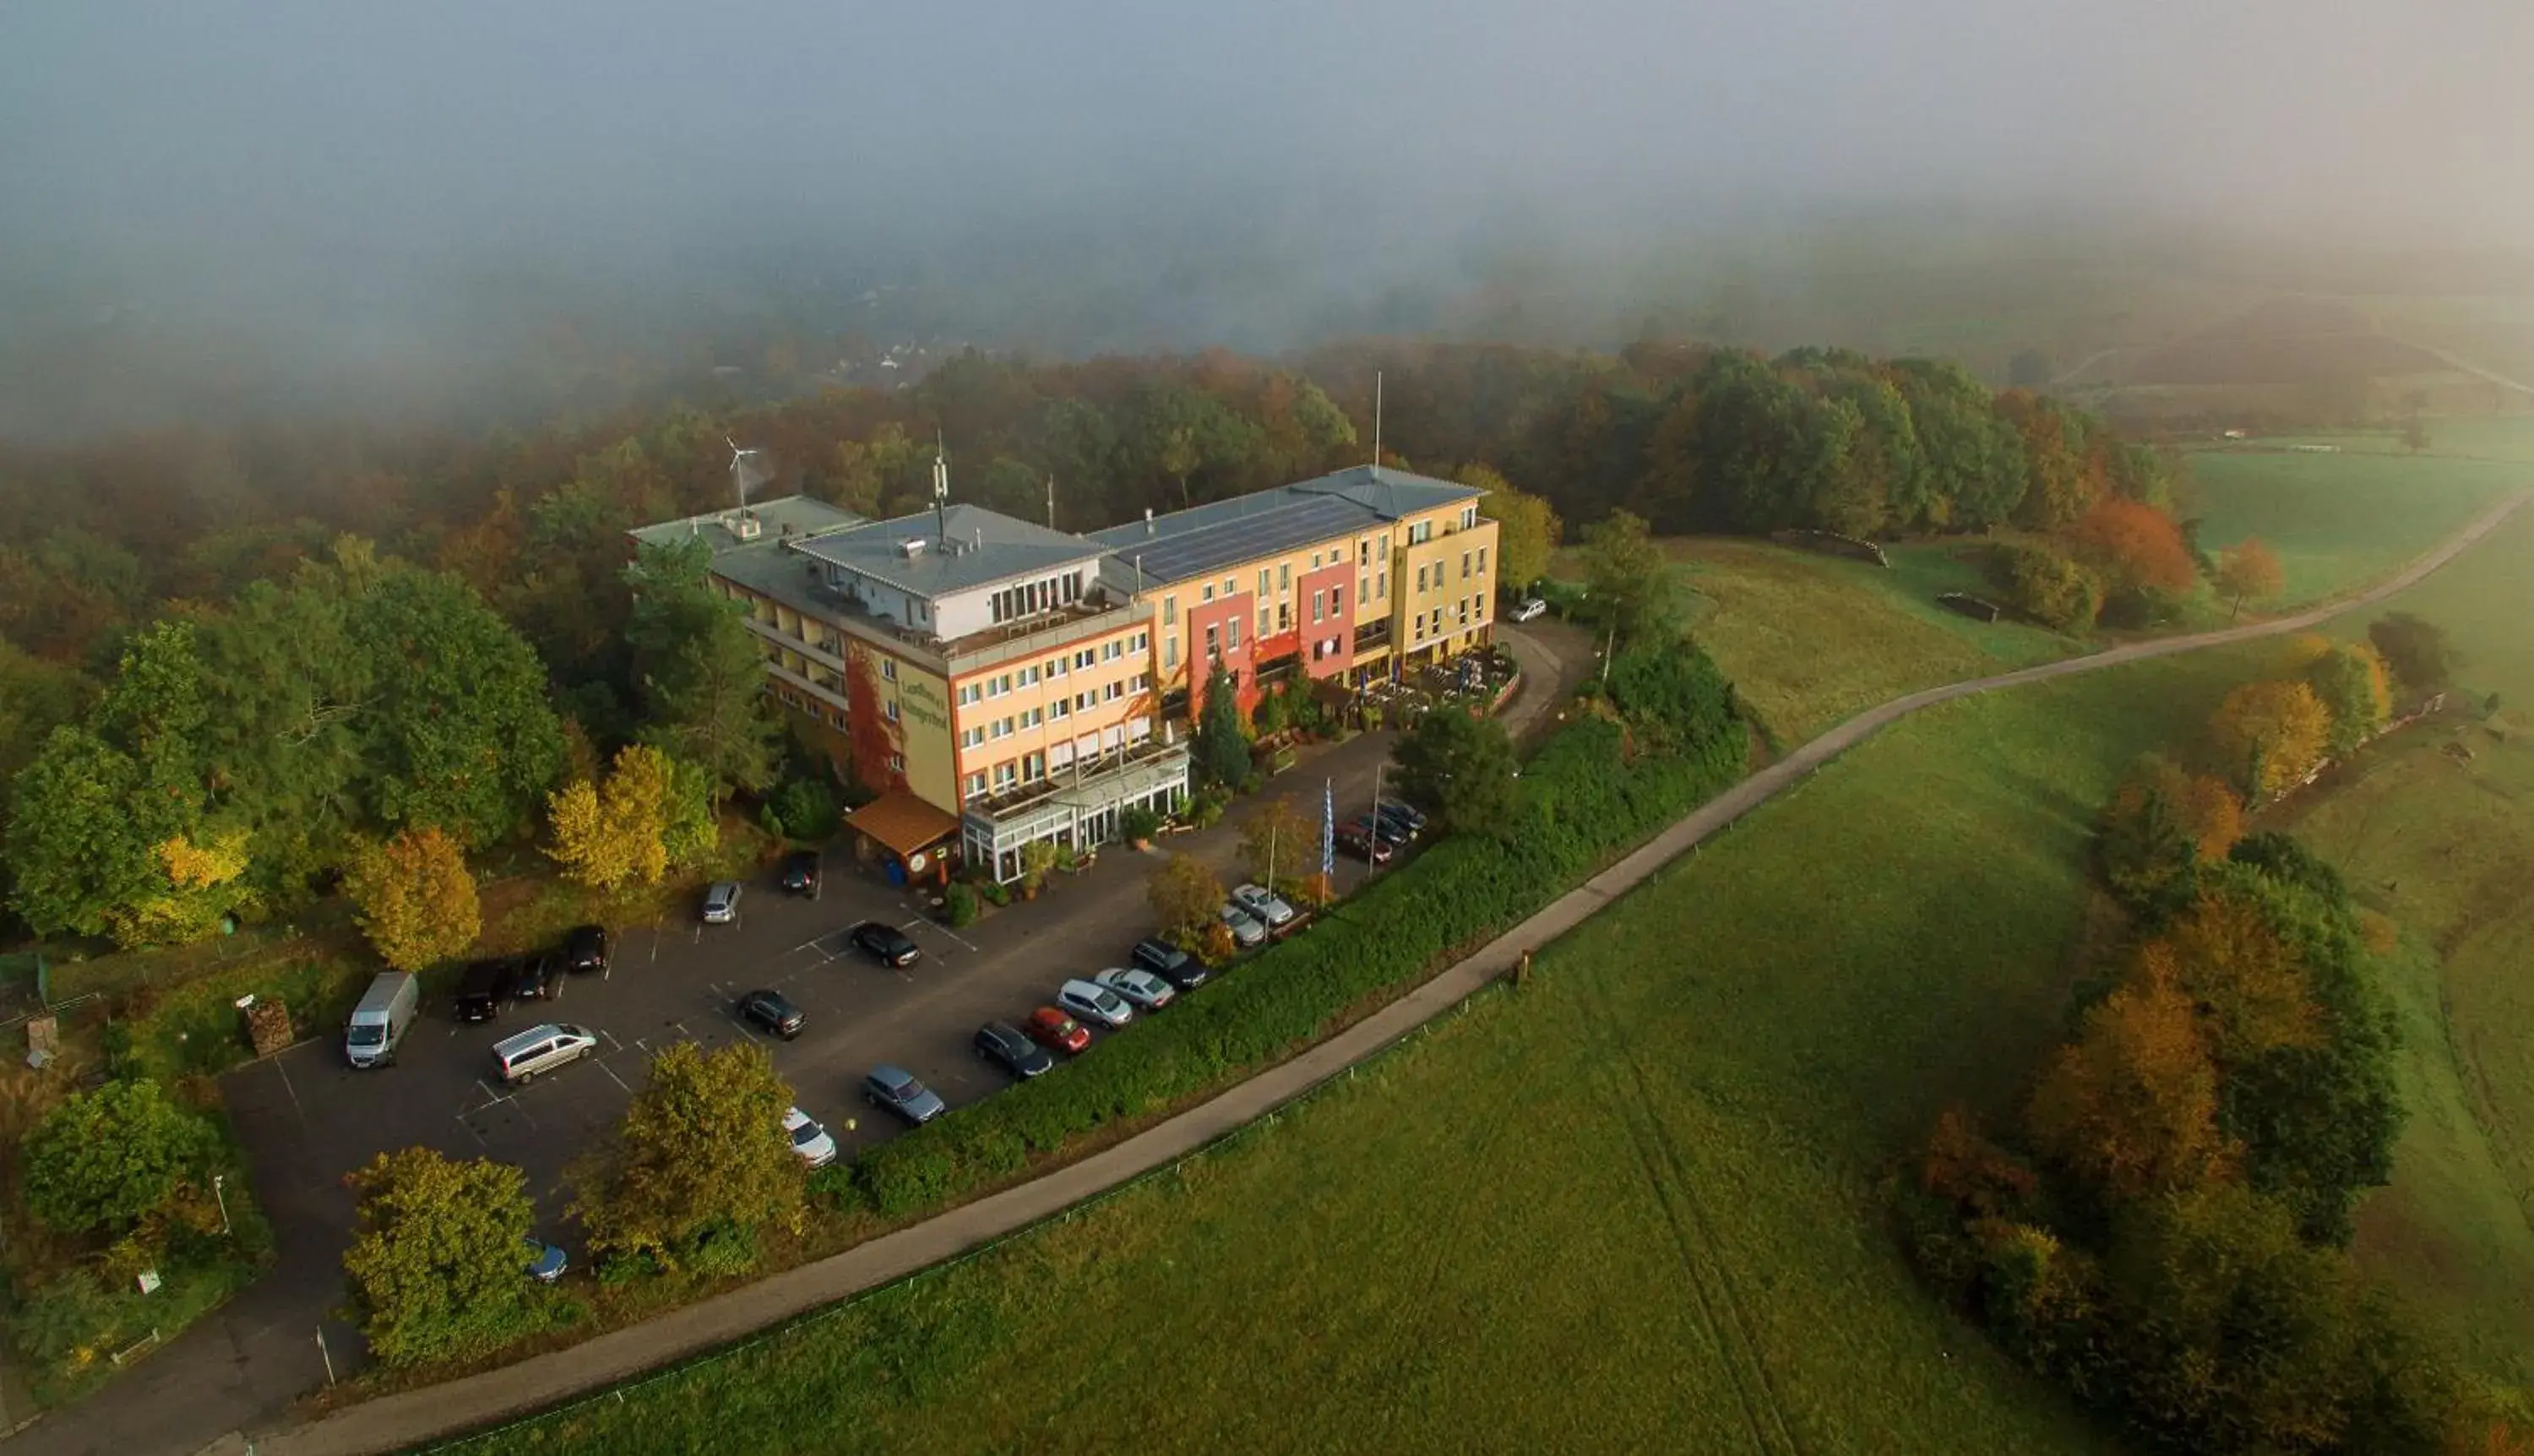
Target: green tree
x=1463, y=766
x=413, y=897
x=110, y=1158
x=701, y=671
x=1675, y=699
x=439, y=1259
x=2355, y=690
x=1974, y=458
x=35, y=697
x=1281, y=840
x=699, y=1154
x=2416, y=649
x=461, y=732
x=1221, y=746
x=77, y=853
x=2049, y=586
x=1185, y=895
x=1627, y=583
x=2059, y=488
x=1527, y=528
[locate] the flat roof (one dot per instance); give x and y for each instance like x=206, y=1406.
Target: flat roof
x=787, y=516
x=982, y=547
x=1205, y=538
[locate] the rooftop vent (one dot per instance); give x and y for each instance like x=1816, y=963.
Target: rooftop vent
x=1148, y=520
x=745, y=526
x=911, y=548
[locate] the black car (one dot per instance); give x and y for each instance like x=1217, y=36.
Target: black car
x=482, y=988
x=537, y=978
x=800, y=873
x=585, y=947
x=1407, y=818
x=1388, y=831
x=885, y=943
x=1171, y=963
x=768, y=1009
x=1002, y=1044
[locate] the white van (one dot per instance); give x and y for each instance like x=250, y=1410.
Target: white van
x=542, y=1049
x=378, y=1022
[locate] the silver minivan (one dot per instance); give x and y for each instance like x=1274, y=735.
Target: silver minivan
x=542, y=1049
x=378, y=1022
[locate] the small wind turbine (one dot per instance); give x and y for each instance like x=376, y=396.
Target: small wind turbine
x=744, y=472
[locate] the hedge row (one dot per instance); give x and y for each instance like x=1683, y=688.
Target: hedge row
x=1588, y=795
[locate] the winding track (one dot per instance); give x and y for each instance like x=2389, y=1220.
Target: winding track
x=394, y=1422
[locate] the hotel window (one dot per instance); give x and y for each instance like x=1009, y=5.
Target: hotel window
x=1283, y=616
x=1363, y=553
x=1083, y=658
x=971, y=738
x=969, y=693
x=1420, y=534
x=1061, y=709
x=1381, y=585
x=1364, y=591
x=1028, y=676
x=1465, y=565
x=1141, y=682
x=1006, y=775
x=1262, y=581
x=1315, y=561
x=1033, y=718
x=1227, y=587
x=1034, y=765
x=1214, y=641
x=1170, y=611
x=1284, y=575
x=1318, y=614
x=1112, y=692
x=1418, y=628
x=975, y=783
x=996, y=686
x=1170, y=652
x=1420, y=578
x=1232, y=633
x=1143, y=642
x=1262, y=623
x=888, y=669
x=1482, y=561
x=1110, y=651
x=1082, y=700
x=897, y=762
x=890, y=710
x=1209, y=592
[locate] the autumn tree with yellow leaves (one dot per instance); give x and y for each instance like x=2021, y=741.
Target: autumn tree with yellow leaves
x=608, y=834
x=2269, y=736
x=414, y=897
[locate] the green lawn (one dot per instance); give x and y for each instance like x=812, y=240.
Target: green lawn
x=2447, y=850
x=2340, y=520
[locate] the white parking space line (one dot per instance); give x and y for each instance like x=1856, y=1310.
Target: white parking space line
x=471, y=1132
x=927, y=924
x=610, y=1039
x=612, y=1076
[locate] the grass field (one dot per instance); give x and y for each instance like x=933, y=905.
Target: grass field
x=2340, y=520
x=1633, y=1206
x=2447, y=850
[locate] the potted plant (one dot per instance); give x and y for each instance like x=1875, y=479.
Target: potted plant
x=1139, y=824
x=1036, y=860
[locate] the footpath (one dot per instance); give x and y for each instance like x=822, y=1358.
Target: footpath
x=395, y=1421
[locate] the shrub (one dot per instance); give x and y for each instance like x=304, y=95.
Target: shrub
x=806, y=809
x=1139, y=823
x=2048, y=586
x=961, y=903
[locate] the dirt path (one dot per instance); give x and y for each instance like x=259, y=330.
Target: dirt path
x=394, y=1422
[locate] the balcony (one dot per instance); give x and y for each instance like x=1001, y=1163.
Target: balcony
x=1373, y=636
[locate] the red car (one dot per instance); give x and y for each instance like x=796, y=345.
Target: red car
x=1056, y=1031
x=1364, y=844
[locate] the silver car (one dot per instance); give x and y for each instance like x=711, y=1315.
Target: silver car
x=809, y=1139
x=722, y=903
x=1095, y=1002
x=1148, y=992
x=1265, y=905
x=1247, y=929
x=896, y=1089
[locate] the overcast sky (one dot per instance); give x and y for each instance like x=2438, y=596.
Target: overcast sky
x=197, y=151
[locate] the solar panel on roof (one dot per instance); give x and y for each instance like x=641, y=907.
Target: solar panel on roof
x=1192, y=553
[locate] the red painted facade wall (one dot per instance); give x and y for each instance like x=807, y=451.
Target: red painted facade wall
x=1220, y=614
x=1338, y=581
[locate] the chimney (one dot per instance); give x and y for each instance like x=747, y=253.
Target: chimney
x=1148, y=520
x=980, y=539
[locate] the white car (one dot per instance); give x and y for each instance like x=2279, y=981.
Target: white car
x=1247, y=929
x=809, y=1139
x=722, y=903
x=1095, y=1002
x=1148, y=992
x=1263, y=905
x=1528, y=609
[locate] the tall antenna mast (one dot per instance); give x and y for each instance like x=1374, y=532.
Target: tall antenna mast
x=1051, y=500
x=941, y=491
x=1376, y=422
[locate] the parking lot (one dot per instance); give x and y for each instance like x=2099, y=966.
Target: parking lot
x=306, y=1119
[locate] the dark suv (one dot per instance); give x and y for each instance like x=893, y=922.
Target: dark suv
x=538, y=977
x=800, y=874
x=1002, y=1044
x=884, y=942
x=768, y=1009
x=1171, y=963
x=481, y=989
x=585, y=947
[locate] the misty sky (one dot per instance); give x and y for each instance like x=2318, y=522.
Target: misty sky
x=239, y=161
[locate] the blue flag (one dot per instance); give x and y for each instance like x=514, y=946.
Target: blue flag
x=1329, y=826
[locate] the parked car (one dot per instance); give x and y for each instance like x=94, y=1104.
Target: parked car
x=885, y=943
x=809, y=1139
x=482, y=989
x=1263, y=904
x=1171, y=963
x=537, y=978
x=1143, y=989
x=380, y=1020
x=800, y=873
x=895, y=1089
x=1410, y=819
x=541, y=1048
x=722, y=903
x=768, y=1009
x=1003, y=1044
x=585, y=947
x=546, y=1261
x=1093, y=1002
x=1386, y=831
x=1247, y=932
x=1056, y=1031
x=1365, y=843
x=1529, y=609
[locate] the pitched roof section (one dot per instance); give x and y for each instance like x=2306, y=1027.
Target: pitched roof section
x=1192, y=542
x=982, y=547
